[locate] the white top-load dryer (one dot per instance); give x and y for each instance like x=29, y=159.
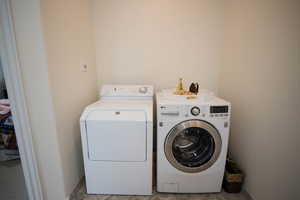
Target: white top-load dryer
x=117, y=138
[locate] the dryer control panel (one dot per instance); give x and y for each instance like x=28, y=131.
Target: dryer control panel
x=127, y=91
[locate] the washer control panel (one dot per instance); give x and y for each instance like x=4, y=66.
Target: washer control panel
x=173, y=112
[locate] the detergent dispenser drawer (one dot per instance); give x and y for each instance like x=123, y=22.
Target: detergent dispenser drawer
x=117, y=135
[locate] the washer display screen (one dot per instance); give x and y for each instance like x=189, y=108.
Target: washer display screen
x=219, y=109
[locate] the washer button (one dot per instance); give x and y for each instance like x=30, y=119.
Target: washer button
x=225, y=124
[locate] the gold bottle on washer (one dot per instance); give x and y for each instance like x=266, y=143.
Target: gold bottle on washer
x=180, y=85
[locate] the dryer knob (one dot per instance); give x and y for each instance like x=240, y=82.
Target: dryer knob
x=143, y=90
x=195, y=111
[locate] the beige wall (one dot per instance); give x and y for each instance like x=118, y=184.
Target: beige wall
x=156, y=42
x=68, y=39
x=260, y=77
x=34, y=67
x=54, y=40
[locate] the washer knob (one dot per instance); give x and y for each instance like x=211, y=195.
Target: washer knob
x=195, y=111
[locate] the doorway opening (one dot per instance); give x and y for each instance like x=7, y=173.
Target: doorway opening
x=12, y=181
x=17, y=152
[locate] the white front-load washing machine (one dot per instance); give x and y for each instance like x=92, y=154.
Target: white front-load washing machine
x=192, y=140
x=117, y=138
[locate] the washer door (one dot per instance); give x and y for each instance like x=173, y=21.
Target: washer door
x=193, y=146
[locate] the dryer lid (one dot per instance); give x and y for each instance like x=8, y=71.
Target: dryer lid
x=117, y=115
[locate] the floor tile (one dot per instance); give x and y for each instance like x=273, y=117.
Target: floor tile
x=80, y=194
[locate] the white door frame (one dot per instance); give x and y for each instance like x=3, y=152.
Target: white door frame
x=14, y=83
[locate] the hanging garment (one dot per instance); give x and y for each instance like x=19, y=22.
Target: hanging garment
x=8, y=141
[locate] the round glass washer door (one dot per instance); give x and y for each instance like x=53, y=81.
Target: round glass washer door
x=193, y=146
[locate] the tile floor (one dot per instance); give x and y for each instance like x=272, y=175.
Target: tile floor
x=12, y=182
x=80, y=194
